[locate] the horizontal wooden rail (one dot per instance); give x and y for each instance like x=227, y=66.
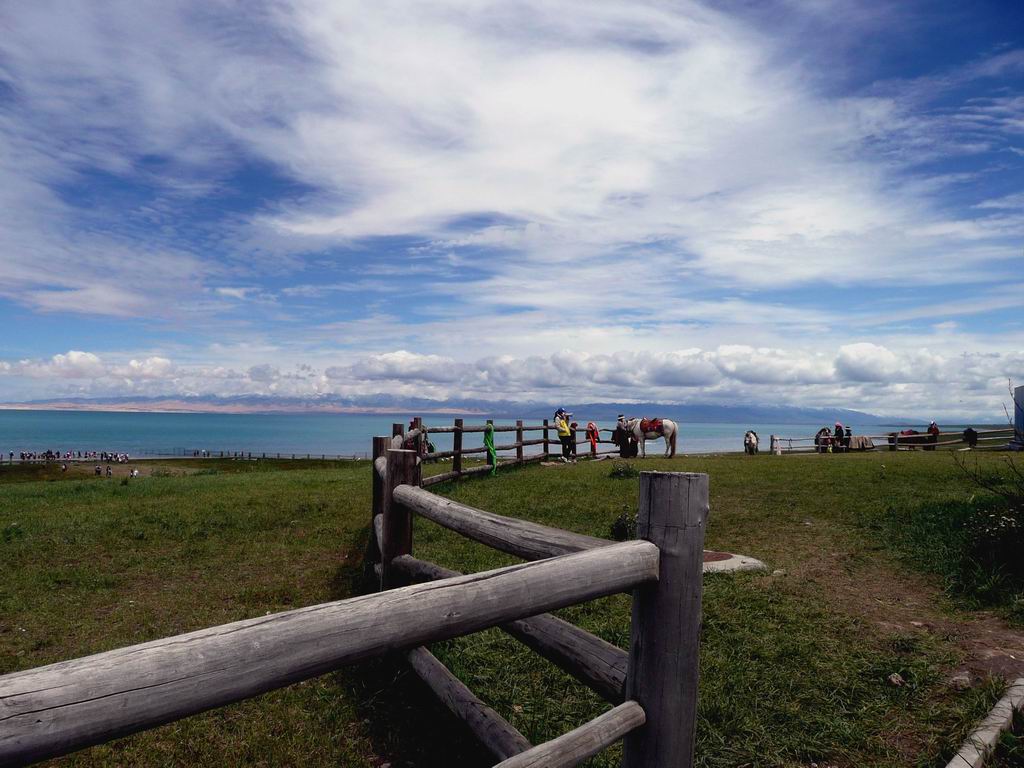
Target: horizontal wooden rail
x=530, y=541
x=513, y=446
x=493, y=731
x=508, y=447
x=482, y=449
x=498, y=428
x=63, y=707
x=594, y=662
x=464, y=452
x=380, y=466
x=581, y=743
x=483, y=428
x=444, y=477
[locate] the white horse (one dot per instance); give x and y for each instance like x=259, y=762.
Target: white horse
x=652, y=429
x=750, y=442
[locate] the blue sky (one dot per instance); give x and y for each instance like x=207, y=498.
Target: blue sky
x=807, y=202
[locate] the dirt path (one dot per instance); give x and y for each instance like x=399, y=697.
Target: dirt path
x=903, y=602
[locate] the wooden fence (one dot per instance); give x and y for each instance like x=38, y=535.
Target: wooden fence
x=60, y=708
x=458, y=429
x=994, y=439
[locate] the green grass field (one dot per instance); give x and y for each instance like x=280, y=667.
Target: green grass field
x=795, y=666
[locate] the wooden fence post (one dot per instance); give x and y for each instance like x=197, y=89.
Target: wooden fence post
x=546, y=445
x=403, y=469
x=457, y=447
x=421, y=438
x=397, y=429
x=373, y=547
x=519, y=441
x=663, y=656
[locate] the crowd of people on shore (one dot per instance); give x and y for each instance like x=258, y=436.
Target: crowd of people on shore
x=46, y=456
x=912, y=438
x=838, y=439
x=835, y=440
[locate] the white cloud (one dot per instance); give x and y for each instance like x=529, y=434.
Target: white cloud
x=150, y=368
x=864, y=375
x=234, y=293
x=865, y=361
x=73, y=365
x=400, y=365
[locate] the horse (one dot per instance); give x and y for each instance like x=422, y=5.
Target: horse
x=651, y=429
x=750, y=441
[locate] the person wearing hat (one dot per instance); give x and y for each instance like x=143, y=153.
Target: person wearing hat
x=564, y=433
x=933, y=436
x=837, y=441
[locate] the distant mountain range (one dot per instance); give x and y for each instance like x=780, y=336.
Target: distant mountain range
x=385, y=404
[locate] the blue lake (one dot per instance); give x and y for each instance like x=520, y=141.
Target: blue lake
x=333, y=434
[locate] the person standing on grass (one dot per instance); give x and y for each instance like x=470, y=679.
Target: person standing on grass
x=933, y=436
x=564, y=433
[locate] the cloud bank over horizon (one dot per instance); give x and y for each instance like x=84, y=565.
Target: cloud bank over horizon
x=863, y=372
x=802, y=203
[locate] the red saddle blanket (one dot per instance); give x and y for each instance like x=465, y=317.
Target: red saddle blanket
x=650, y=425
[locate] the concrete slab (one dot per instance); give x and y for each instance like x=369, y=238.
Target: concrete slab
x=980, y=745
x=726, y=562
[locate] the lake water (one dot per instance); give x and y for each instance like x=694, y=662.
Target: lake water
x=333, y=434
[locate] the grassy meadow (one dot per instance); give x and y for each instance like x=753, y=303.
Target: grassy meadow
x=797, y=662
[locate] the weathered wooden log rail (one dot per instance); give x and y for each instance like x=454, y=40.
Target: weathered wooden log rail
x=59, y=708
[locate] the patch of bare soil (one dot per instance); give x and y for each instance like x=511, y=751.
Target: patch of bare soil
x=904, y=602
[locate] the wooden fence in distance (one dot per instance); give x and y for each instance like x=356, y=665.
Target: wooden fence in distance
x=59, y=708
x=993, y=439
x=458, y=429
